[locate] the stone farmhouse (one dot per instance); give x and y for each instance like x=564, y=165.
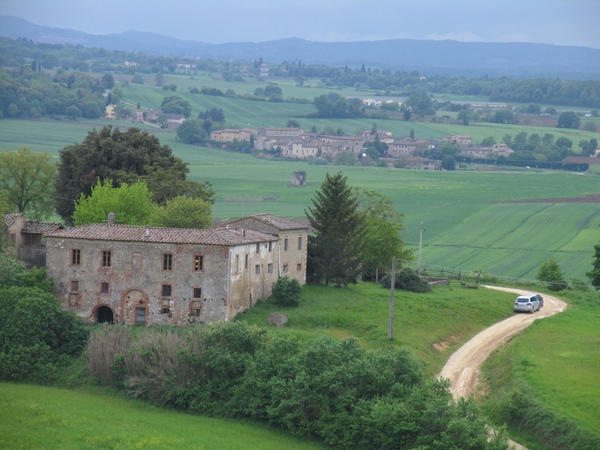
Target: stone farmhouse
x=271, y=138
x=230, y=135
x=458, y=139
x=27, y=238
x=402, y=148
x=169, y=276
x=486, y=152
x=418, y=163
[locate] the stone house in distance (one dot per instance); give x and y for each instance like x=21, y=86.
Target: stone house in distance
x=27, y=238
x=164, y=276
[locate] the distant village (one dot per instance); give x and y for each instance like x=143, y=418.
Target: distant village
x=295, y=143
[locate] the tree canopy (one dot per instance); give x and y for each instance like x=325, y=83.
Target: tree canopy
x=122, y=156
x=26, y=179
x=132, y=204
x=176, y=105
x=383, y=237
x=339, y=229
x=568, y=119
x=183, y=212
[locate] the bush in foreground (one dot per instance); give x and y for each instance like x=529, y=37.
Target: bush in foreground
x=287, y=292
x=330, y=390
x=36, y=335
x=408, y=280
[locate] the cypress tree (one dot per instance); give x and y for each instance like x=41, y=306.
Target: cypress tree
x=339, y=230
x=594, y=274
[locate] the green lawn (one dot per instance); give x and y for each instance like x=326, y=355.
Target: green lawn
x=37, y=417
x=432, y=325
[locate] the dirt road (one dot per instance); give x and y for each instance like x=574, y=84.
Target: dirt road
x=463, y=367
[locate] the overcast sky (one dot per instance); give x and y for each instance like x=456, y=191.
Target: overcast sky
x=560, y=22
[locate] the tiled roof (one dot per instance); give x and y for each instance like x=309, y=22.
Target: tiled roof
x=131, y=233
x=278, y=222
x=9, y=219
x=35, y=226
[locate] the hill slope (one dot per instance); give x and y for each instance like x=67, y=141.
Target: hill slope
x=429, y=57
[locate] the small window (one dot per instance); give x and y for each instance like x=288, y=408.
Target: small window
x=270, y=245
x=195, y=307
x=166, y=290
x=167, y=261
x=197, y=292
x=246, y=263
x=106, y=254
x=285, y=268
x=165, y=306
x=105, y=288
x=270, y=268
x=285, y=244
x=237, y=263
x=198, y=263
x=257, y=248
x=300, y=243
x=76, y=257
x=74, y=286
x=257, y=269
x=299, y=266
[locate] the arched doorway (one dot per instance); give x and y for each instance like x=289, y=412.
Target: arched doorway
x=104, y=315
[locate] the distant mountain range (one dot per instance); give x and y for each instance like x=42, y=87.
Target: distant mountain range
x=450, y=58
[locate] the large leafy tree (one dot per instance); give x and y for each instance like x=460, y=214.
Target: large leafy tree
x=26, y=179
x=568, y=119
x=551, y=274
x=183, y=212
x=132, y=205
x=122, y=156
x=383, y=236
x=339, y=230
x=176, y=105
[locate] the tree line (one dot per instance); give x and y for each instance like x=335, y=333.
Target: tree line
x=582, y=93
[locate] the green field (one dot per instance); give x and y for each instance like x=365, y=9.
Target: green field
x=469, y=220
x=36, y=417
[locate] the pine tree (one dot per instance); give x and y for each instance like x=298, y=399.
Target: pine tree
x=339, y=226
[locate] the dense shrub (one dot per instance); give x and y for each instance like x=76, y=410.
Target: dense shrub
x=325, y=389
x=36, y=335
x=520, y=409
x=13, y=273
x=287, y=292
x=408, y=280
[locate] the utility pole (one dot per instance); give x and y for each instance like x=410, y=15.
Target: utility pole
x=420, y=247
x=391, y=322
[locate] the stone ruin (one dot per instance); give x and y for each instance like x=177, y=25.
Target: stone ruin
x=278, y=319
x=298, y=178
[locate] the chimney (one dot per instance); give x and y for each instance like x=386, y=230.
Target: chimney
x=147, y=230
x=111, y=218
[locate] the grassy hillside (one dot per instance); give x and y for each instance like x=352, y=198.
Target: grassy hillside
x=432, y=325
x=36, y=417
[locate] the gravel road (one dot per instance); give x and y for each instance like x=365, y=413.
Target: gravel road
x=463, y=367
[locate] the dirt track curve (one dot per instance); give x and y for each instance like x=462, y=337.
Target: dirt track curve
x=463, y=367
